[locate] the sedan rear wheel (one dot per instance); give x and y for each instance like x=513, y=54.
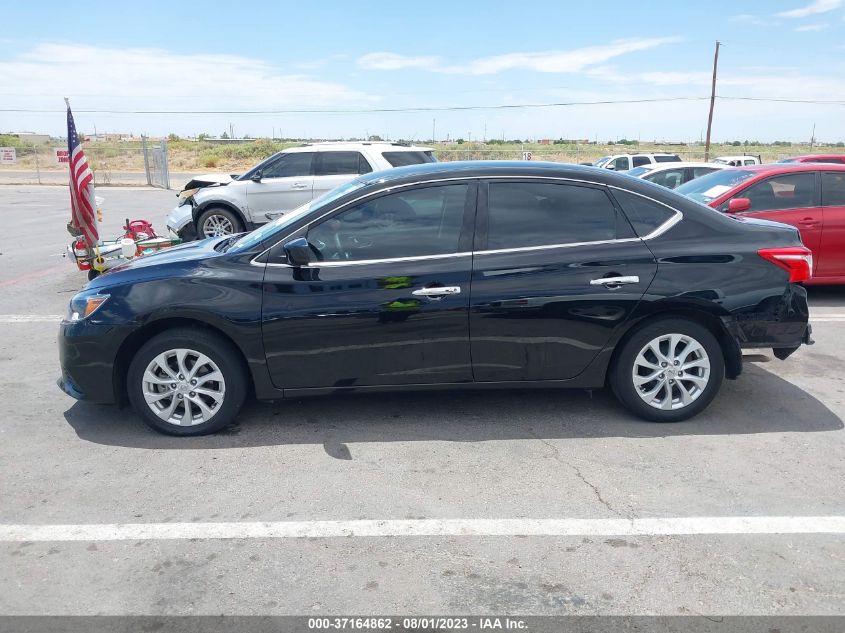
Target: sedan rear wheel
x=669, y=370
x=187, y=382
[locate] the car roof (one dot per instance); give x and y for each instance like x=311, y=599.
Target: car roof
x=341, y=146
x=774, y=168
x=810, y=157
x=506, y=168
x=676, y=164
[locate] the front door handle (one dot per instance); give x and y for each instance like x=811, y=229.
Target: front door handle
x=615, y=282
x=299, y=185
x=438, y=292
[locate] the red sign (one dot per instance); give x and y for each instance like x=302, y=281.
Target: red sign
x=62, y=157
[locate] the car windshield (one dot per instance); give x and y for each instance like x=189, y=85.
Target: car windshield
x=711, y=186
x=262, y=233
x=601, y=161
x=638, y=171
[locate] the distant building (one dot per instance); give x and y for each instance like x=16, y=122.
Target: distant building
x=544, y=141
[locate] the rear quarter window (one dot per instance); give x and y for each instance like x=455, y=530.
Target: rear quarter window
x=401, y=159
x=646, y=216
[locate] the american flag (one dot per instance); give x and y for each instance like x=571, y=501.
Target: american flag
x=82, y=200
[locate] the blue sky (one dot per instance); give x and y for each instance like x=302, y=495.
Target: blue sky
x=328, y=55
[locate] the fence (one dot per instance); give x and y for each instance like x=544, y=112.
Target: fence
x=121, y=164
x=155, y=163
x=149, y=162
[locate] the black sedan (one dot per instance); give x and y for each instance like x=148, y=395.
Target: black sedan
x=447, y=275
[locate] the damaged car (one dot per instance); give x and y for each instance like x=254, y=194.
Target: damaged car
x=226, y=205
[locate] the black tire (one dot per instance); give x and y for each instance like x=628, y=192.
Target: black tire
x=621, y=374
x=222, y=216
x=219, y=350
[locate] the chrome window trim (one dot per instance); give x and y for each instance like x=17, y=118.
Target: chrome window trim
x=523, y=249
x=677, y=217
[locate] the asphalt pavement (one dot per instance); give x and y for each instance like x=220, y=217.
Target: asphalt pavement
x=771, y=445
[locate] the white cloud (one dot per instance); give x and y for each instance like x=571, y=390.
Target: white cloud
x=754, y=20
x=394, y=61
x=814, y=8
x=154, y=79
x=812, y=27
x=571, y=61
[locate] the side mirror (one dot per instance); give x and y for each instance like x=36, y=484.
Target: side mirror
x=299, y=252
x=611, y=166
x=256, y=177
x=738, y=205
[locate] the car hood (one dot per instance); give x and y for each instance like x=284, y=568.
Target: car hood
x=204, y=180
x=158, y=264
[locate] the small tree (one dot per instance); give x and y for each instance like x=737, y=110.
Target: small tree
x=224, y=135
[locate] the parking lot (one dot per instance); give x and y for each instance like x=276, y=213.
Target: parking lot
x=771, y=445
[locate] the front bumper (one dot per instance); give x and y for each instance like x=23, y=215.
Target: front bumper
x=86, y=354
x=180, y=221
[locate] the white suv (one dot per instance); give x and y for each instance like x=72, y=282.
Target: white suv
x=624, y=162
x=283, y=182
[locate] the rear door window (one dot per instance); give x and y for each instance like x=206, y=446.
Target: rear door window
x=401, y=159
x=338, y=163
x=525, y=214
x=789, y=191
x=669, y=178
x=698, y=172
x=833, y=189
x=639, y=161
x=671, y=158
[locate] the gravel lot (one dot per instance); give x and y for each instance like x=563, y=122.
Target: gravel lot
x=772, y=444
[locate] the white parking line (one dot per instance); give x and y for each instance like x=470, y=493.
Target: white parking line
x=427, y=527
x=30, y=318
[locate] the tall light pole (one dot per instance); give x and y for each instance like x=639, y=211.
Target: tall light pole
x=712, y=102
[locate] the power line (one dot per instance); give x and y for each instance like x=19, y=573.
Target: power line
x=513, y=106
x=774, y=100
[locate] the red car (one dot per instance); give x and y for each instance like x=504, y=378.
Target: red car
x=809, y=196
x=837, y=159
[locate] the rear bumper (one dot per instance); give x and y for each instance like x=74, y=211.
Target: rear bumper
x=782, y=325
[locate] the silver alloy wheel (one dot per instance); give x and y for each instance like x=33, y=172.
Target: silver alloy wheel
x=217, y=226
x=183, y=387
x=671, y=371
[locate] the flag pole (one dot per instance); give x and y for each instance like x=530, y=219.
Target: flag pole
x=98, y=260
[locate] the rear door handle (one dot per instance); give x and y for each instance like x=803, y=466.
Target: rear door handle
x=299, y=185
x=437, y=293
x=612, y=282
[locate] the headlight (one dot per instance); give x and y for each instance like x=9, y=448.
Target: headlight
x=185, y=196
x=84, y=305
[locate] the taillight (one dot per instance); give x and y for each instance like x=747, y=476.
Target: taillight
x=796, y=260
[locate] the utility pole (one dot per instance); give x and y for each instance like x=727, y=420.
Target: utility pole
x=434, y=130
x=813, y=136
x=712, y=103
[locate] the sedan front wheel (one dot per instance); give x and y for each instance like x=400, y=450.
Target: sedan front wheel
x=187, y=382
